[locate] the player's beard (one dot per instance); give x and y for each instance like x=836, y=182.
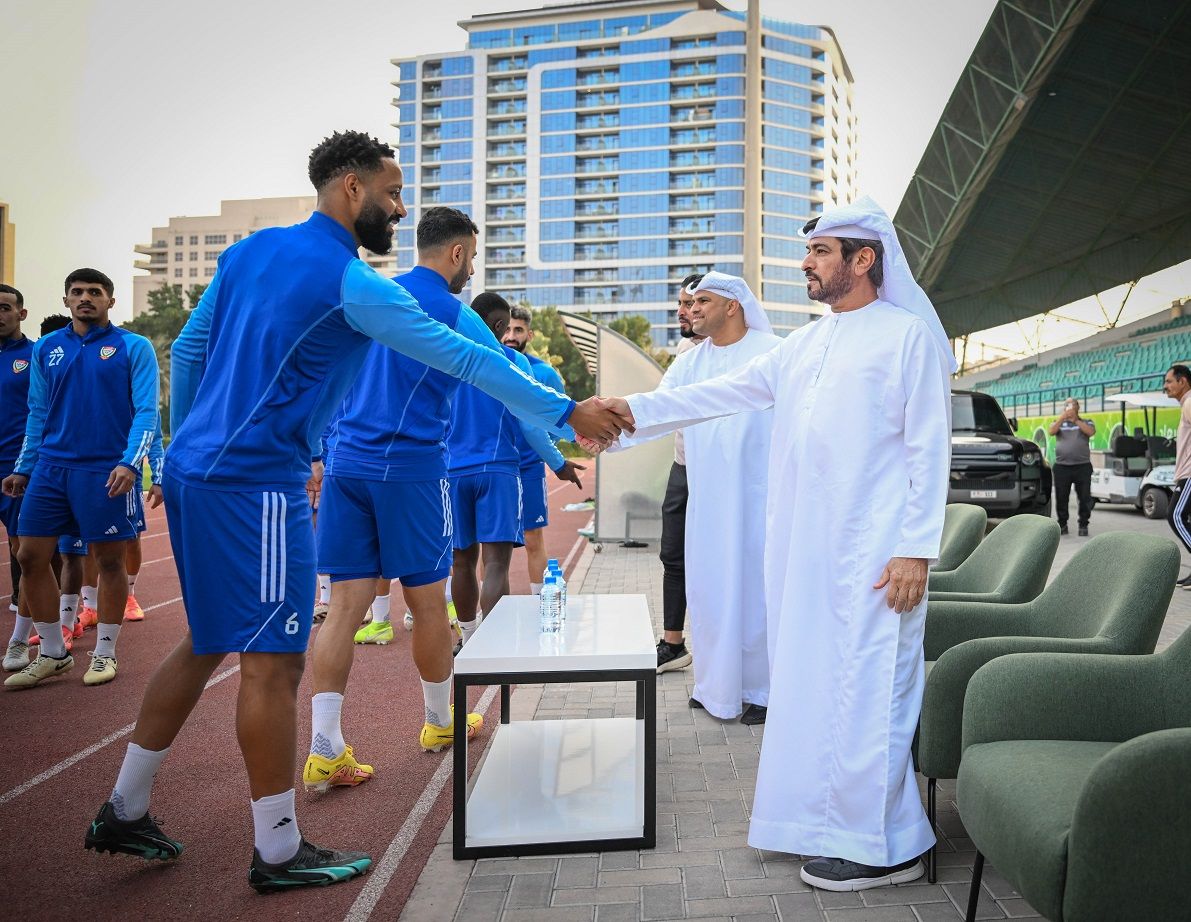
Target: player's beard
x=374, y=228
x=459, y=281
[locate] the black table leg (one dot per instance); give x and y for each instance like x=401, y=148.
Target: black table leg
x=459, y=779
x=647, y=708
x=504, y=704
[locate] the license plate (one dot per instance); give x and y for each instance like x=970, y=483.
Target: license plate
x=983, y=494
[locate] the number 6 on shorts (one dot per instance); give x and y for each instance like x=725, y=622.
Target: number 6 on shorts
x=291, y=624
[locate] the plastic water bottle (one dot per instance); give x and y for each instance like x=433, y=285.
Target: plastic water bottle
x=555, y=570
x=549, y=606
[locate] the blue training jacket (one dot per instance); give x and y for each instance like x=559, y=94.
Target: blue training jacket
x=483, y=434
x=275, y=343
x=16, y=357
x=92, y=400
x=395, y=417
x=530, y=458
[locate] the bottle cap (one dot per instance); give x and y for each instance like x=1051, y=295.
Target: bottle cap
x=550, y=580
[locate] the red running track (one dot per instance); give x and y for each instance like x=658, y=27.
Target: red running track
x=66, y=741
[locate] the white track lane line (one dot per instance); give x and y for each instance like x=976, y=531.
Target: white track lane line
x=106, y=741
x=382, y=873
x=144, y=563
x=160, y=534
x=575, y=548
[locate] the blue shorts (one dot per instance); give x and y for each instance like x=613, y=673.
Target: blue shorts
x=246, y=564
x=487, y=509
x=76, y=547
x=64, y=501
x=10, y=510
x=534, y=513
x=369, y=529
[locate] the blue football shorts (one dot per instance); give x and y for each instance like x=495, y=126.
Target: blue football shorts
x=487, y=509
x=246, y=563
x=368, y=529
x=64, y=501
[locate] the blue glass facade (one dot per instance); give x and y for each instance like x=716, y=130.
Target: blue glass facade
x=605, y=161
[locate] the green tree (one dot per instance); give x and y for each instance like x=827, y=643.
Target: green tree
x=635, y=328
x=161, y=324
x=551, y=343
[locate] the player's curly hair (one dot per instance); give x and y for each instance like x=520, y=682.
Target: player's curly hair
x=346, y=152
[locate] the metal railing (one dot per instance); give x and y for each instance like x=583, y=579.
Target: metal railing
x=1049, y=400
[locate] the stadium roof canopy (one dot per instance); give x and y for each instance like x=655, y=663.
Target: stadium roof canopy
x=1061, y=165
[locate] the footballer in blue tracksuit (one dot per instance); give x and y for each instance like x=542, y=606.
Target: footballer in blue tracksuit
x=386, y=508
x=16, y=351
x=484, y=471
x=266, y=357
x=534, y=507
x=92, y=419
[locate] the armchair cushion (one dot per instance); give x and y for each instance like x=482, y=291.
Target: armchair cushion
x=1017, y=800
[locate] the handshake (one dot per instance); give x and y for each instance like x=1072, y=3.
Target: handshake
x=599, y=421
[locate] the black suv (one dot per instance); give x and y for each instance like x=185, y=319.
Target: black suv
x=990, y=466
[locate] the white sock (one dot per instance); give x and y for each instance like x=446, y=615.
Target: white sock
x=68, y=610
x=535, y=588
x=132, y=582
x=449, y=599
x=467, y=628
x=437, y=697
x=276, y=825
x=324, y=588
x=380, y=608
x=326, y=732
x=105, y=639
x=130, y=796
x=90, y=597
x=52, y=643
x=21, y=630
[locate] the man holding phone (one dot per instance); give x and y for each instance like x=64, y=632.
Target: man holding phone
x=1073, y=464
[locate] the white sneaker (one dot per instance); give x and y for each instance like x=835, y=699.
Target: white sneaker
x=17, y=657
x=44, y=667
x=101, y=670
x=408, y=621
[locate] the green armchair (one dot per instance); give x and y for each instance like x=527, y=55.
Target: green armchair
x=1010, y=565
x=1110, y=598
x=1076, y=781
x=963, y=529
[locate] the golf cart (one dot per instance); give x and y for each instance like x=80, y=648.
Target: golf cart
x=1138, y=469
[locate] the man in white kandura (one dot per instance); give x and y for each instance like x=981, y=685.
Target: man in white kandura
x=725, y=532
x=857, y=485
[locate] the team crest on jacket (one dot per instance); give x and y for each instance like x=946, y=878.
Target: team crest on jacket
x=19, y=365
x=107, y=352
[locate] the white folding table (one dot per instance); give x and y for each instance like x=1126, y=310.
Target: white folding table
x=557, y=786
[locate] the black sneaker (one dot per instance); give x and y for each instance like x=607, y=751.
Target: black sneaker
x=672, y=656
x=142, y=838
x=1063, y=530
x=310, y=867
x=1083, y=531
x=753, y=714
x=842, y=875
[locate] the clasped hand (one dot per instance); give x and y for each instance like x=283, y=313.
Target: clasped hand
x=599, y=421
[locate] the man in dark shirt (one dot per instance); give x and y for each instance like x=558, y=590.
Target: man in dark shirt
x=1073, y=464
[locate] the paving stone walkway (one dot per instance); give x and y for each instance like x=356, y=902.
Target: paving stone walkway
x=703, y=867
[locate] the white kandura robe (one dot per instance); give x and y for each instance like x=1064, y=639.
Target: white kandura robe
x=858, y=474
x=726, y=461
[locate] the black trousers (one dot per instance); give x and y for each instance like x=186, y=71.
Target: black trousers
x=1079, y=475
x=1179, y=515
x=673, y=550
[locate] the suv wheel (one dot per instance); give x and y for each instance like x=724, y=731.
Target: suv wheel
x=1154, y=503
